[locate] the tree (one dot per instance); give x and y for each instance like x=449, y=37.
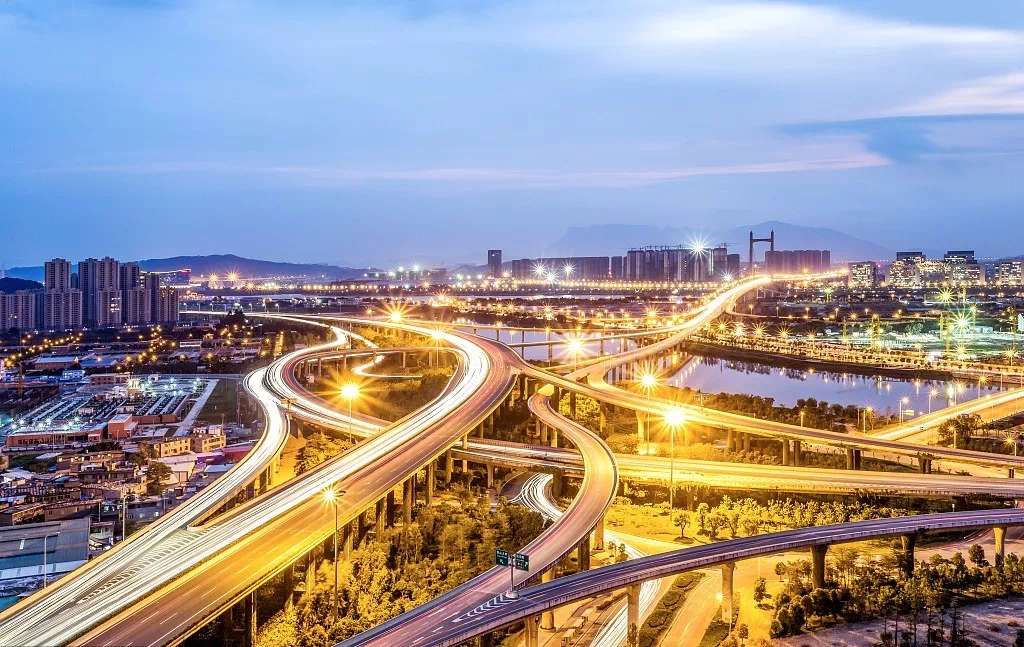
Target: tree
x=977, y=555
x=743, y=631
x=158, y=472
x=760, y=591
x=780, y=569
x=702, y=516
x=683, y=520
x=633, y=635
x=1019, y=641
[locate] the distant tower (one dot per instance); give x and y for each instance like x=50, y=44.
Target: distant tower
x=494, y=263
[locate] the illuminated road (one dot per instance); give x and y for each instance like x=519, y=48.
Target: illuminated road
x=569, y=589
x=597, y=491
x=85, y=597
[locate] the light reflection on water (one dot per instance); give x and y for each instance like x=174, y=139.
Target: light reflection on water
x=787, y=385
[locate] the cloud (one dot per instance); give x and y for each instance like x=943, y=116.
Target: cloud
x=993, y=95
x=482, y=178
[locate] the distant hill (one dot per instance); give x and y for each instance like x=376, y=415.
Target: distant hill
x=602, y=240
x=221, y=264
x=10, y=285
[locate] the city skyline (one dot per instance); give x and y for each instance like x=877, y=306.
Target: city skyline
x=902, y=121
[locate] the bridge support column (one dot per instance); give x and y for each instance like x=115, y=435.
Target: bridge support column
x=785, y=452
x=727, y=572
x=553, y=436
x=407, y=502
x=633, y=607
x=583, y=554
x=543, y=433
x=818, y=565
x=347, y=532
x=490, y=475
x=999, y=533
x=532, y=632
x=547, y=618
x=250, y=620
x=378, y=517
x=857, y=459
x=449, y=467
x=798, y=458
x=429, y=489
x=640, y=428
x=1010, y=473
x=556, y=485
x=730, y=440
x=746, y=442
x=572, y=404
x=390, y=510
x=907, y=555
x=851, y=463
x=599, y=534
x=924, y=465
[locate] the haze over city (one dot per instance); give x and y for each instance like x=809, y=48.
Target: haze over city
x=445, y=121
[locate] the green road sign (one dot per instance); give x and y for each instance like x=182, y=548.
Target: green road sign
x=521, y=562
x=501, y=557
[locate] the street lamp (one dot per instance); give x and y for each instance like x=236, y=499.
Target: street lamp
x=45, y=537
x=350, y=392
x=674, y=418
x=903, y=401
x=931, y=394
x=864, y=426
x=648, y=382
x=332, y=497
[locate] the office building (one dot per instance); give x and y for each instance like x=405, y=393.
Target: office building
x=494, y=263
x=1010, y=272
x=904, y=274
x=910, y=257
x=863, y=274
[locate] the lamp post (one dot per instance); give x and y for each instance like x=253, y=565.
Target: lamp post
x=332, y=497
x=673, y=418
x=648, y=382
x=903, y=401
x=45, y=537
x=864, y=425
x=350, y=392
x=931, y=394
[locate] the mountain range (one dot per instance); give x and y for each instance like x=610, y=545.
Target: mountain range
x=221, y=264
x=607, y=240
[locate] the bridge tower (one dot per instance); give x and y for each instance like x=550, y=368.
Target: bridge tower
x=770, y=240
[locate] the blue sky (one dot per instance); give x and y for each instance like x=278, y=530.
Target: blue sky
x=388, y=131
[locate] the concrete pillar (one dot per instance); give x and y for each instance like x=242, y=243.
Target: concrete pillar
x=429, y=489
x=856, y=459
x=640, y=417
x=633, y=607
x=572, y=404
x=547, y=618
x=553, y=436
x=785, y=451
x=599, y=534
x=746, y=442
x=923, y=464
x=390, y=509
x=347, y=532
x=730, y=440
x=407, y=502
x=727, y=571
x=907, y=555
x=289, y=586
x=449, y=467
x=797, y=454
x=850, y=462
x=818, y=565
x=379, y=517
x=403, y=359
x=537, y=428
x=1000, y=547
x=556, y=485
x=532, y=631
x=490, y=475
x=543, y=434
x=583, y=554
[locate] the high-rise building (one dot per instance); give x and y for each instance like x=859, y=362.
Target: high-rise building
x=100, y=282
x=588, y=268
x=61, y=307
x=136, y=303
x=904, y=274
x=863, y=274
x=57, y=275
x=163, y=300
x=910, y=257
x=1010, y=272
x=494, y=263
x=797, y=261
x=965, y=256
x=676, y=264
x=615, y=268
x=18, y=311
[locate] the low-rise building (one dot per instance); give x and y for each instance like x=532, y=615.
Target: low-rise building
x=202, y=443
x=164, y=447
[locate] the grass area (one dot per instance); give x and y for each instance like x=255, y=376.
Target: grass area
x=717, y=631
x=223, y=402
x=30, y=463
x=661, y=619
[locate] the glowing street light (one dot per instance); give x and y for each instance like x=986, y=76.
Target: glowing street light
x=931, y=394
x=350, y=392
x=648, y=382
x=903, y=402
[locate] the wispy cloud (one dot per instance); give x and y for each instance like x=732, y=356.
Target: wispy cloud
x=993, y=95
x=480, y=178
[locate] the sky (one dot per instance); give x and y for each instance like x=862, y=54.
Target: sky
x=380, y=132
